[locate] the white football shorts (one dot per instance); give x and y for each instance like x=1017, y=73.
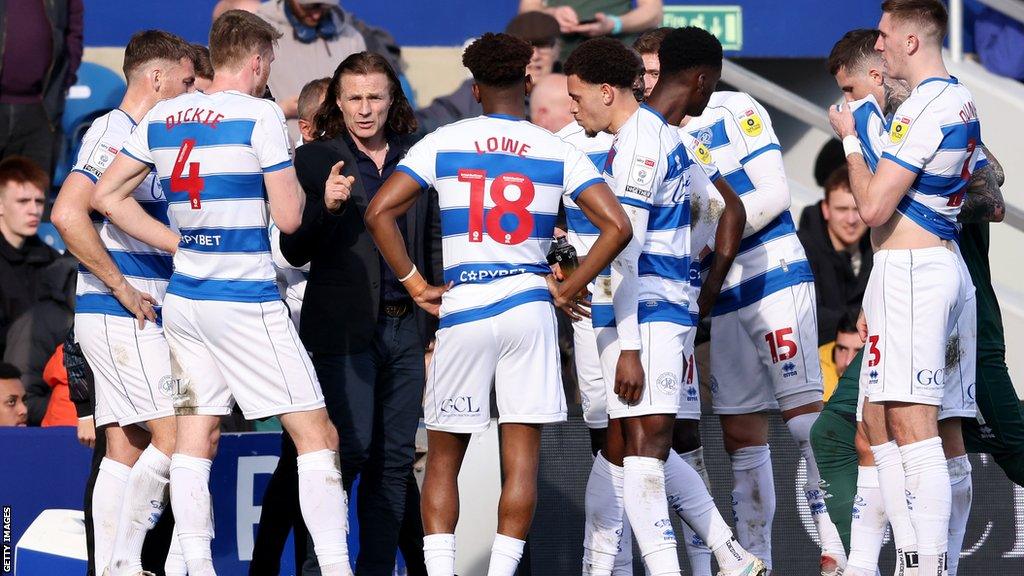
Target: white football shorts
x=588, y=374
x=517, y=351
x=663, y=349
x=916, y=348
x=244, y=352
x=131, y=368
x=765, y=356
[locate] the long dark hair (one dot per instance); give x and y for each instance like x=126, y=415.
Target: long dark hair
x=328, y=122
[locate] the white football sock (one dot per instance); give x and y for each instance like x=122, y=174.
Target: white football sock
x=753, y=476
x=107, y=493
x=439, y=554
x=690, y=499
x=145, y=497
x=604, y=515
x=505, y=555
x=644, y=500
x=696, y=548
x=323, y=504
x=867, y=531
x=892, y=483
x=929, y=500
x=962, y=490
x=193, y=513
x=828, y=534
x=175, y=564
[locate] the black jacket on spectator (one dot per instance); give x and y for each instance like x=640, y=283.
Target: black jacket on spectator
x=34, y=336
x=22, y=272
x=838, y=289
x=345, y=271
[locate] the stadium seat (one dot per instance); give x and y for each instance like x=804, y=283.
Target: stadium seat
x=98, y=91
x=53, y=544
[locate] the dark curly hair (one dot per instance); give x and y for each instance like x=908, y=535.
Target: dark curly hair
x=498, y=60
x=328, y=122
x=605, y=61
x=688, y=48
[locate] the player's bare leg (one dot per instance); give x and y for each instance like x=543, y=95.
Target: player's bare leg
x=439, y=500
x=322, y=498
x=799, y=420
x=520, y=459
x=961, y=488
x=607, y=538
x=123, y=449
x=146, y=492
x=753, y=493
x=867, y=529
x=915, y=429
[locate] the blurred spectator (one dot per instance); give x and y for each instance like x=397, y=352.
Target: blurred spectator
x=40, y=50
x=317, y=35
x=550, y=103
x=835, y=356
x=839, y=251
x=310, y=99
x=537, y=28
x=35, y=334
x=60, y=410
x=203, y=67
x=12, y=396
x=24, y=258
x=224, y=5
x=582, y=19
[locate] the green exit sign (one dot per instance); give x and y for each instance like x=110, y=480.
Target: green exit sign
x=725, y=22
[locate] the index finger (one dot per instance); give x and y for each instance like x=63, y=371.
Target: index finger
x=336, y=169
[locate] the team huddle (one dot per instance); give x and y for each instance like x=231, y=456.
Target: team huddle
x=677, y=205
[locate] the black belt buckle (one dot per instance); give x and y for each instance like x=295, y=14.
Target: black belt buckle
x=396, y=309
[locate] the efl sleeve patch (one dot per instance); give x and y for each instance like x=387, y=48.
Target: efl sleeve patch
x=100, y=159
x=751, y=123
x=641, y=175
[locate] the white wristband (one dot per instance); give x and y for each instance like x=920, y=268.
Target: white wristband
x=409, y=275
x=851, y=145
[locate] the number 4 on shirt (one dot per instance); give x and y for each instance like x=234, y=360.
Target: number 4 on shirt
x=192, y=183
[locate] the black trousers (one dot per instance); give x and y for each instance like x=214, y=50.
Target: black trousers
x=25, y=131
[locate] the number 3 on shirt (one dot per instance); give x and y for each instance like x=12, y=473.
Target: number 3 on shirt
x=192, y=183
x=493, y=218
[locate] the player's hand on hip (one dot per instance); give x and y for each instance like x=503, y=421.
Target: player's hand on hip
x=841, y=118
x=575, y=307
x=430, y=298
x=87, y=432
x=862, y=326
x=629, y=377
x=139, y=304
x=338, y=187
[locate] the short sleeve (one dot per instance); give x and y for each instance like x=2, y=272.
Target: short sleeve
x=420, y=162
x=638, y=167
x=912, y=140
x=982, y=158
x=100, y=145
x=750, y=128
x=270, y=138
x=579, y=172
x=137, y=143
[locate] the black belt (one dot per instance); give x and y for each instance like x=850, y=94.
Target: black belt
x=397, y=309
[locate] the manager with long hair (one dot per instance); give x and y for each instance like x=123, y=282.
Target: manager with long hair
x=365, y=334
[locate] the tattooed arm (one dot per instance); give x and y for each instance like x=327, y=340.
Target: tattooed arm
x=984, y=201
